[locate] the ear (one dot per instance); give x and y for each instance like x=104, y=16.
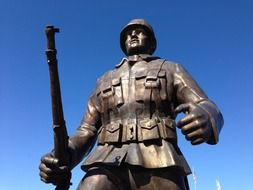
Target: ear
x=150, y=47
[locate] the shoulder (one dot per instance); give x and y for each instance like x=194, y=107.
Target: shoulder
x=173, y=66
x=123, y=61
x=105, y=77
x=170, y=63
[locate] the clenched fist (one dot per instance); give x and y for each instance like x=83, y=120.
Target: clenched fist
x=50, y=172
x=196, y=125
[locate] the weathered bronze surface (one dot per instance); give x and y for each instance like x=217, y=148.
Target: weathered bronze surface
x=131, y=115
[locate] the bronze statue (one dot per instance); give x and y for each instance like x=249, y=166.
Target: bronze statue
x=131, y=117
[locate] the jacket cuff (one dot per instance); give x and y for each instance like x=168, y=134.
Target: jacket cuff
x=216, y=120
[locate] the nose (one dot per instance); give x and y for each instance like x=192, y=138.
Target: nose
x=133, y=33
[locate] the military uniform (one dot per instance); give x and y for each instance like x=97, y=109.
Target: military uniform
x=131, y=115
x=131, y=112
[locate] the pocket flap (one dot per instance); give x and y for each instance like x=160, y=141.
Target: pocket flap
x=141, y=74
x=152, y=74
x=148, y=123
x=162, y=74
x=106, y=89
x=116, y=81
x=112, y=127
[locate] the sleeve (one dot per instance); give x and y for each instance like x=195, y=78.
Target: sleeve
x=187, y=90
x=83, y=140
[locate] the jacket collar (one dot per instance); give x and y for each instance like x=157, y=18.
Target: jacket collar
x=135, y=58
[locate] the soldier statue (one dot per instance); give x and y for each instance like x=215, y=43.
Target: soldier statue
x=131, y=118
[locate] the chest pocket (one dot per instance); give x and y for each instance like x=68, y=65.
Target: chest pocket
x=151, y=85
x=111, y=94
x=118, y=94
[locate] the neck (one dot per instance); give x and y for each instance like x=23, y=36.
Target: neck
x=136, y=58
x=133, y=57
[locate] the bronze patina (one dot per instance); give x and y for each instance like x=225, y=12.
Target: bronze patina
x=131, y=117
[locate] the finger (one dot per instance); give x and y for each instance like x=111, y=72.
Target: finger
x=189, y=128
x=194, y=135
x=198, y=141
x=44, y=177
x=54, y=178
x=195, y=125
x=50, y=174
x=43, y=168
x=44, y=180
x=49, y=179
x=185, y=120
x=182, y=108
x=52, y=170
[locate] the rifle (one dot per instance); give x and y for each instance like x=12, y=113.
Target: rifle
x=59, y=127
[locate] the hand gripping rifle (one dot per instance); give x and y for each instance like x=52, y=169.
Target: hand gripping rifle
x=59, y=127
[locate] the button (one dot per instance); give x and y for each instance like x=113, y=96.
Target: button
x=112, y=127
x=117, y=159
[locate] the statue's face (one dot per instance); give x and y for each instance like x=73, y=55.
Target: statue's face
x=137, y=42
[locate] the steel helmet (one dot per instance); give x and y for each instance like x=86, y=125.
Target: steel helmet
x=138, y=23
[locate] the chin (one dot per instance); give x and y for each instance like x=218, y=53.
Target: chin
x=136, y=50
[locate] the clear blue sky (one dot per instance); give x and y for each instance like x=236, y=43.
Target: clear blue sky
x=213, y=39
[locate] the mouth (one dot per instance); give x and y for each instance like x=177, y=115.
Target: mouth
x=134, y=41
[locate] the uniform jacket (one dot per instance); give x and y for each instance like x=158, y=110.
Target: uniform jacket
x=131, y=115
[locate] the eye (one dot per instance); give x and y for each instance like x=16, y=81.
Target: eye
x=128, y=37
x=129, y=32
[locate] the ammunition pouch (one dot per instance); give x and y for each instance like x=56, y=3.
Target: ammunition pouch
x=145, y=130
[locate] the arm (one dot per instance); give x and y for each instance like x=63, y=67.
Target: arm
x=82, y=141
x=79, y=145
x=203, y=121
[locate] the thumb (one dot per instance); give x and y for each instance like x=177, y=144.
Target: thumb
x=182, y=108
x=50, y=161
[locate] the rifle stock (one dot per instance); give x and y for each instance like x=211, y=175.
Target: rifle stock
x=59, y=127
